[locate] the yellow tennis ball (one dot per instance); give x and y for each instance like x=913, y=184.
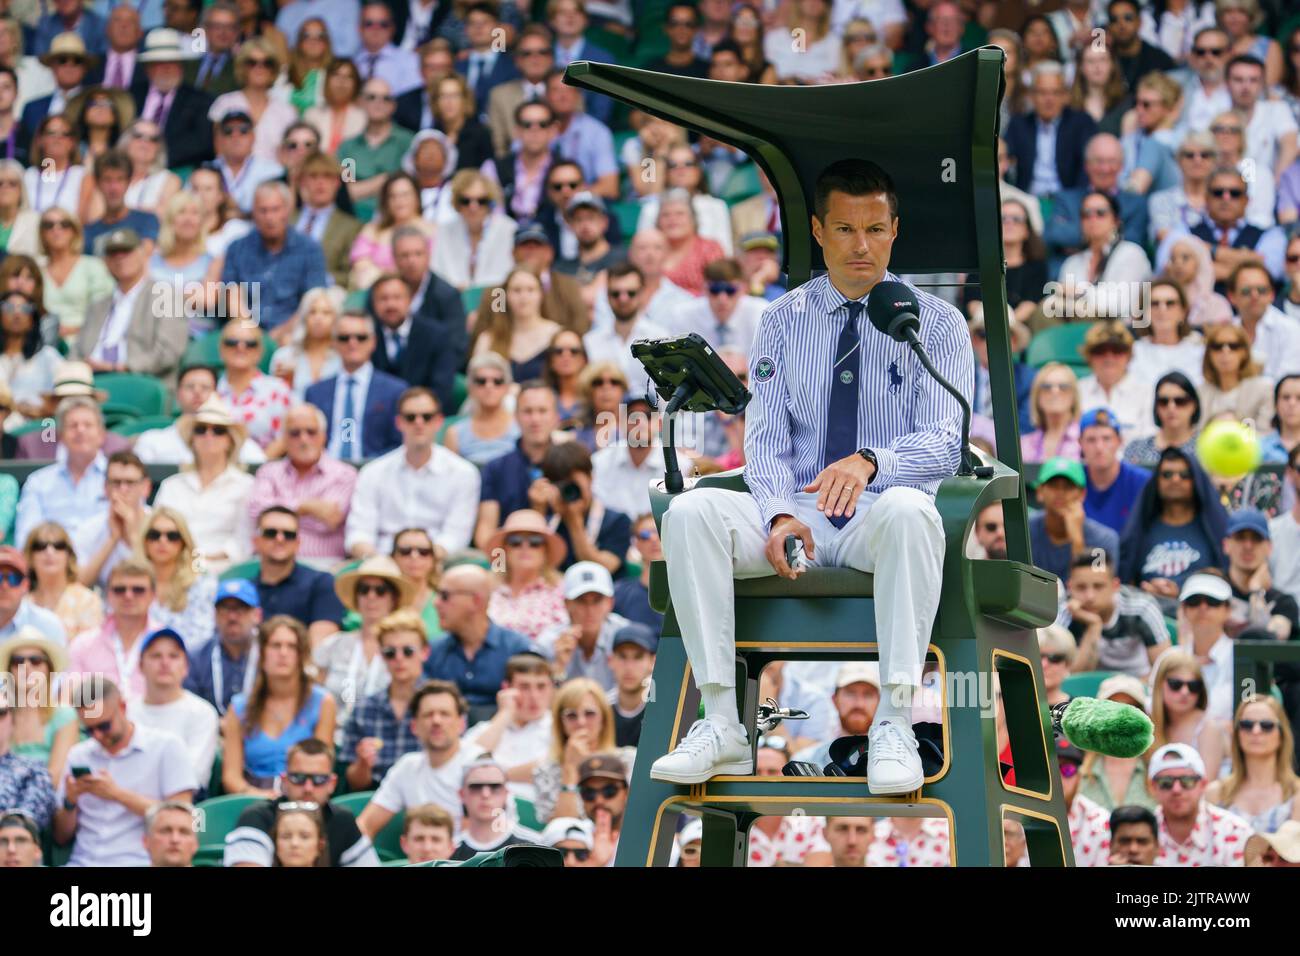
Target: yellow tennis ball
x=1228, y=449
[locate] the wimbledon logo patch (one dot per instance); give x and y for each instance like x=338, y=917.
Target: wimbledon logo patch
x=764, y=369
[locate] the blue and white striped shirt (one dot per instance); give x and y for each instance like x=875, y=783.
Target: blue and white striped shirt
x=904, y=416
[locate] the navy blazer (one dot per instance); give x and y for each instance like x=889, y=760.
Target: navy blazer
x=1063, y=234
x=435, y=351
x=503, y=71
x=34, y=114
x=379, y=434
x=188, y=133
x=1073, y=133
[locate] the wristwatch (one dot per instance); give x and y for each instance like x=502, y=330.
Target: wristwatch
x=870, y=456
x=570, y=788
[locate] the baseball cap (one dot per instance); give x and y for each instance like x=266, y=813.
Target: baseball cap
x=479, y=763
x=234, y=115
x=1175, y=757
x=1100, y=415
x=1248, y=519
x=1205, y=585
x=531, y=233
x=637, y=634
x=1123, y=684
x=588, y=200
x=13, y=558
x=602, y=766
x=585, y=577
x=1068, y=751
x=158, y=635
x=856, y=672
x=567, y=828
x=121, y=240
x=1061, y=468
x=240, y=589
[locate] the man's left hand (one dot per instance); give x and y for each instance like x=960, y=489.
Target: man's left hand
x=840, y=483
x=101, y=785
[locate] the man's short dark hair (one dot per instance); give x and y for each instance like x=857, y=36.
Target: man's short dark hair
x=525, y=664
x=564, y=459
x=484, y=6
x=727, y=46
x=856, y=177
x=1247, y=59
x=190, y=369
x=535, y=30
x=622, y=269
x=277, y=510
x=1245, y=267
x=311, y=747
x=563, y=163
x=1094, y=560
x=1130, y=814
x=417, y=391
x=126, y=457
x=533, y=104
x=534, y=385
x=682, y=5
x=1110, y=7
x=112, y=159
x=723, y=270
x=432, y=688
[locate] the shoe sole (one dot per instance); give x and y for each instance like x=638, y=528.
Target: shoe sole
x=895, y=789
x=738, y=768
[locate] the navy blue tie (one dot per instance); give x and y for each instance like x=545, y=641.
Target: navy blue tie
x=842, y=411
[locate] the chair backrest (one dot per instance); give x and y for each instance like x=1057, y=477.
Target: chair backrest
x=219, y=816
x=1060, y=343
x=142, y=394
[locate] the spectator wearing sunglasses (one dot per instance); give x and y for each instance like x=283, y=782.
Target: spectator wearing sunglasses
x=130, y=768
x=421, y=563
x=489, y=431
x=1191, y=830
x=308, y=481
x=1179, y=701
x=1274, y=336
x=1230, y=229
x=632, y=595
x=113, y=649
x=308, y=778
x=573, y=837
x=603, y=789
x=1114, y=385
x=286, y=586
x=1205, y=92
x=1177, y=412
x=1261, y=785
x=1089, y=823
x=519, y=733
x=169, y=707
x=1058, y=649
x=726, y=316
x=44, y=730
x=1204, y=605
x=625, y=287
x=441, y=488
x=54, y=582
x=588, y=219
x=164, y=446
x=377, y=151
x=185, y=589
x=529, y=599
x=377, y=733
x=488, y=824
x=17, y=610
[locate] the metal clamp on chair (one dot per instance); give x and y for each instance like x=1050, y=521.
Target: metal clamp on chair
x=935, y=130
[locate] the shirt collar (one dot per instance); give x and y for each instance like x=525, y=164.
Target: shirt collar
x=100, y=464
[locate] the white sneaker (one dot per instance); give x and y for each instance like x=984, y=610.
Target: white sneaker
x=711, y=747
x=893, y=762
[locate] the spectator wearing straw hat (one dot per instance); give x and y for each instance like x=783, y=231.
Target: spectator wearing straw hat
x=177, y=108
x=1108, y=350
x=1264, y=849
x=530, y=598
x=65, y=55
x=213, y=493
x=71, y=380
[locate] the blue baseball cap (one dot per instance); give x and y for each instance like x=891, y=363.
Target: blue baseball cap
x=638, y=634
x=1099, y=416
x=241, y=589
x=1248, y=519
x=158, y=635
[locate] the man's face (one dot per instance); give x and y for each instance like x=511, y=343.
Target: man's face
x=378, y=101
x=105, y=721
x=301, y=776
x=856, y=705
x=391, y=302
x=945, y=24
x=484, y=794
x=171, y=841
x=1123, y=24
x=647, y=541
x=1178, y=802
x=125, y=266
x=319, y=187
x=1103, y=165
x=534, y=255
x=1059, y=495
x=376, y=26
x=537, y=415
x=1137, y=842
x=588, y=225
x=1095, y=589
x=164, y=77
x=535, y=129
x=222, y=30
x=569, y=19
x=304, y=437
x=18, y=848
x=236, y=620
x=1206, y=615
x=411, y=255
x=179, y=15
x=479, y=27
x=126, y=483
x=681, y=27
x=535, y=692
x=534, y=57
x=990, y=531
x=69, y=71
x=631, y=665
x=1099, y=445
x=1174, y=482
x=564, y=99
x=11, y=595
x=1049, y=97
x=404, y=655
x=1070, y=784
x=648, y=251
x=423, y=842
x=727, y=67
x=1226, y=198
x=460, y=606
x=123, y=28
x=418, y=420
x=354, y=340
x=602, y=793
x=277, y=538
x=849, y=838
x=438, y=725
x=1209, y=56
x=1252, y=294
x=588, y=611
x=164, y=664
x=82, y=433
x=1247, y=551
x=194, y=390
x=624, y=293
x=856, y=237
x=295, y=147
x=129, y=596
x=271, y=215
x=1245, y=84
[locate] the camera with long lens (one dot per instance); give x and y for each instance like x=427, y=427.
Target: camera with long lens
x=570, y=492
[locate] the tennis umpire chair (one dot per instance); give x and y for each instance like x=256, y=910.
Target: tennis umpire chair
x=935, y=132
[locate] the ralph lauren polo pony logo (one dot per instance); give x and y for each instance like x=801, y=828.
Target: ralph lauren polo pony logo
x=895, y=378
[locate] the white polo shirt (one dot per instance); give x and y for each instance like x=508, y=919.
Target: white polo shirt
x=412, y=782
x=152, y=764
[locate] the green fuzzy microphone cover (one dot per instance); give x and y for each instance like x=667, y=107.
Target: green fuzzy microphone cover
x=1107, y=727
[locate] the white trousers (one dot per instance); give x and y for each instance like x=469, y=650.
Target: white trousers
x=712, y=536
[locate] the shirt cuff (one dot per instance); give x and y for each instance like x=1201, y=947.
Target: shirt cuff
x=886, y=467
x=773, y=507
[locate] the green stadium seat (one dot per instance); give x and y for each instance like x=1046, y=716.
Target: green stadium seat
x=1060, y=343
x=247, y=570
x=207, y=351
x=388, y=841
x=141, y=394
x=470, y=297
x=401, y=862
x=527, y=814
x=1172, y=627
x=135, y=426
x=220, y=814
x=459, y=392
x=626, y=213
x=354, y=803
x=741, y=184
x=26, y=428
x=616, y=43
x=1085, y=684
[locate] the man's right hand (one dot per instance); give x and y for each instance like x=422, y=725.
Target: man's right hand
x=507, y=702
x=782, y=526
x=368, y=751
x=543, y=496
x=1081, y=614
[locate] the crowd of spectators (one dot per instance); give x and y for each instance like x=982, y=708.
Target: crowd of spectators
x=388, y=531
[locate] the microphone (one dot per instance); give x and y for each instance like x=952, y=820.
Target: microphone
x=893, y=310
x=1103, y=726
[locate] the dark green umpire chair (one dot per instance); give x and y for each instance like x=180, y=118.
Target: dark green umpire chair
x=935, y=132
